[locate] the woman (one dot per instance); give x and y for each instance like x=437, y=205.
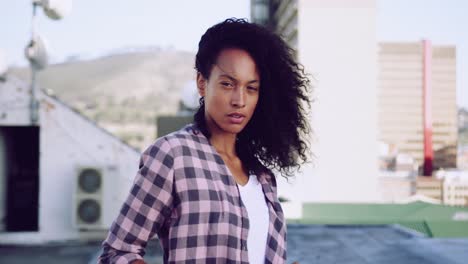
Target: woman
x=207, y=190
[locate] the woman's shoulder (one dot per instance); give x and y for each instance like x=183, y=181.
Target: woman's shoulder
x=188, y=136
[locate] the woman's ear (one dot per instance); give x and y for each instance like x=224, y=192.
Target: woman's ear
x=201, y=84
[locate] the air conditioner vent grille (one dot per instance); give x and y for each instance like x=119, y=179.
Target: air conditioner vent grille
x=89, y=180
x=89, y=211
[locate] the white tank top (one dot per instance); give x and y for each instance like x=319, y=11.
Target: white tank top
x=259, y=219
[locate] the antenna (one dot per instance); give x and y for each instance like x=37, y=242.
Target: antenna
x=55, y=9
x=36, y=51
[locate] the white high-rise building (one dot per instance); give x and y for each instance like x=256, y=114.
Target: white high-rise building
x=335, y=40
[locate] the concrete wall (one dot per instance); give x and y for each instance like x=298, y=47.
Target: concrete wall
x=67, y=141
x=14, y=102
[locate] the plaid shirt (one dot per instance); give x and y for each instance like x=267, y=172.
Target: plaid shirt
x=184, y=193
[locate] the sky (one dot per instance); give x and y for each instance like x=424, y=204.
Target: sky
x=443, y=22
x=98, y=27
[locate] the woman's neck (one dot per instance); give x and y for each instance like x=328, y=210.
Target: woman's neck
x=224, y=143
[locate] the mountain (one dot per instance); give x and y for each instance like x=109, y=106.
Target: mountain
x=125, y=92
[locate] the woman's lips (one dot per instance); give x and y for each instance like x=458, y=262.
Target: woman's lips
x=236, y=118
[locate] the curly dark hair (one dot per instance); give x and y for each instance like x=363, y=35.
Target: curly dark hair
x=274, y=137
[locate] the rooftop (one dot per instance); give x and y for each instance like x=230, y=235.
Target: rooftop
x=322, y=244
x=371, y=244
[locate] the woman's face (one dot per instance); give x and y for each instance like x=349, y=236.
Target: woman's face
x=231, y=92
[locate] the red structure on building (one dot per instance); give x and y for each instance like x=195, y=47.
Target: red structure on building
x=427, y=108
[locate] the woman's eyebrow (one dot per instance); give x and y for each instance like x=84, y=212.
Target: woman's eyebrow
x=232, y=78
x=225, y=75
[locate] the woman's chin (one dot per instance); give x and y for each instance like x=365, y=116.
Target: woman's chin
x=232, y=128
x=226, y=127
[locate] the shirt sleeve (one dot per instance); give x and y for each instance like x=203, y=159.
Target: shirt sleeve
x=145, y=209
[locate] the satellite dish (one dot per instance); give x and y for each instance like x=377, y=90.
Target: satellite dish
x=3, y=63
x=190, y=95
x=56, y=9
x=36, y=53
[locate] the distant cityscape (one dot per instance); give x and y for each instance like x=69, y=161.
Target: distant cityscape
x=422, y=135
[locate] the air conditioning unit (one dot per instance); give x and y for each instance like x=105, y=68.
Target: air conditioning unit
x=88, y=209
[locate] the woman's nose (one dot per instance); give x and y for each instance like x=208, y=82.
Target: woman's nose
x=238, y=97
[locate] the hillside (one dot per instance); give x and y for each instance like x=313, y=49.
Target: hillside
x=124, y=93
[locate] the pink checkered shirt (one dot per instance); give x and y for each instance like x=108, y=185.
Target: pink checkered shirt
x=184, y=194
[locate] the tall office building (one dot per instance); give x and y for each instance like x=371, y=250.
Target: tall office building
x=281, y=16
x=417, y=101
x=335, y=40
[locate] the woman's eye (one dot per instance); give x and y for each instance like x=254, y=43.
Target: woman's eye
x=227, y=84
x=251, y=88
